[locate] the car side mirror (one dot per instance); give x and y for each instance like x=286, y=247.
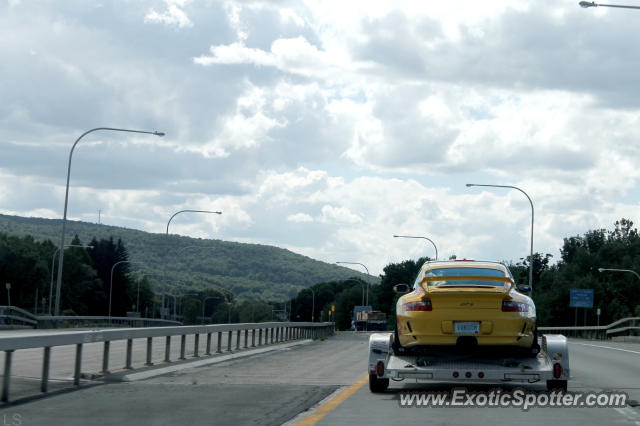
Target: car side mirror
x=525, y=289
x=401, y=288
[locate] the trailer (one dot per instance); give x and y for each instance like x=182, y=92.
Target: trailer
x=550, y=366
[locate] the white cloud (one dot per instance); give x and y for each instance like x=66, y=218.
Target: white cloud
x=299, y=218
x=174, y=15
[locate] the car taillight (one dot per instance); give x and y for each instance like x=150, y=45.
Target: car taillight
x=424, y=305
x=511, y=306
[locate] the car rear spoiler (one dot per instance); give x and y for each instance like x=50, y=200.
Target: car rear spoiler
x=472, y=278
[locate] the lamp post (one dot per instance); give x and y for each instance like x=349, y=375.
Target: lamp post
x=587, y=4
x=313, y=304
x=424, y=238
x=189, y=211
x=619, y=270
x=366, y=269
x=532, y=213
x=111, y=282
x=53, y=258
x=66, y=200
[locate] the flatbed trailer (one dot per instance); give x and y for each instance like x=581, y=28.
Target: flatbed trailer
x=550, y=366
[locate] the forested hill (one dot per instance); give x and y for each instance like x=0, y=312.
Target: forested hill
x=250, y=271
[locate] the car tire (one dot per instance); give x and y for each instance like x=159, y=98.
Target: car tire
x=377, y=385
x=535, y=346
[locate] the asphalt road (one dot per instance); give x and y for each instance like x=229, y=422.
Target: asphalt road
x=288, y=385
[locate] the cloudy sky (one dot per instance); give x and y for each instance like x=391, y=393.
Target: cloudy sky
x=326, y=127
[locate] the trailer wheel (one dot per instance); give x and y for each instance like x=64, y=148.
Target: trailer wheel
x=377, y=385
x=560, y=385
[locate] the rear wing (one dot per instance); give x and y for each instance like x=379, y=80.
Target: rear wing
x=488, y=280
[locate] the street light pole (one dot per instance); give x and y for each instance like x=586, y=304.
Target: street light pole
x=190, y=211
x=532, y=213
x=587, y=4
x=66, y=200
x=53, y=258
x=619, y=270
x=111, y=282
x=313, y=304
x=424, y=238
x=366, y=269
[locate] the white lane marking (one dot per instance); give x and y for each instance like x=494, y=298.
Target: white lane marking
x=214, y=360
x=629, y=414
x=606, y=347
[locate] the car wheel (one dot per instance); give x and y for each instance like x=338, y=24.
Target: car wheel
x=377, y=385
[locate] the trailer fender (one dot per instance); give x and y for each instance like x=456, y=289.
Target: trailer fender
x=379, y=348
x=557, y=348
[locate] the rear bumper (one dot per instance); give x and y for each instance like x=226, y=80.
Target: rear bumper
x=496, y=327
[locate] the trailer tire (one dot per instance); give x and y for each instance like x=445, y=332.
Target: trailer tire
x=560, y=385
x=377, y=385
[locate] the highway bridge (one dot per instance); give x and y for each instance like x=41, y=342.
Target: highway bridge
x=272, y=373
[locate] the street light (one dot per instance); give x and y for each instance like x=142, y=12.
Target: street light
x=366, y=269
x=619, y=270
x=424, y=238
x=66, y=200
x=530, y=202
x=587, y=4
x=52, y=266
x=111, y=282
x=313, y=304
x=189, y=211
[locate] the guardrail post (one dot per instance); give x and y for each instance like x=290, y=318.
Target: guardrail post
x=167, y=349
x=149, y=350
x=183, y=343
x=238, y=340
x=46, y=361
x=195, y=346
x=253, y=338
x=219, y=351
x=229, y=339
x=272, y=330
x=6, y=380
x=76, y=370
x=246, y=338
x=277, y=334
x=128, y=365
x=208, y=352
x=105, y=357
x=259, y=337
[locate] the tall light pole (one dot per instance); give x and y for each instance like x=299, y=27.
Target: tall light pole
x=366, y=269
x=313, y=304
x=619, y=270
x=66, y=200
x=189, y=211
x=424, y=238
x=111, y=282
x=532, y=213
x=587, y=4
x=53, y=258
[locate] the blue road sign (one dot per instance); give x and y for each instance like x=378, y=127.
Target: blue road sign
x=581, y=298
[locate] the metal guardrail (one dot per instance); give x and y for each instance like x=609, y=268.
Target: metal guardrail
x=599, y=332
x=93, y=321
x=275, y=331
x=12, y=317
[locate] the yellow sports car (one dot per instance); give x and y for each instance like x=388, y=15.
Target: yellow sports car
x=464, y=302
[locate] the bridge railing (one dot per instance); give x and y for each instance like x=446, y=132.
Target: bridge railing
x=625, y=326
x=261, y=334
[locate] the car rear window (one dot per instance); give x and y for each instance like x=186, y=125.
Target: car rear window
x=460, y=272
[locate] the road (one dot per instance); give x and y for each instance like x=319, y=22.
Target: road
x=322, y=382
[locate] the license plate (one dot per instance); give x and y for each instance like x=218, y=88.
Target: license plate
x=467, y=328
